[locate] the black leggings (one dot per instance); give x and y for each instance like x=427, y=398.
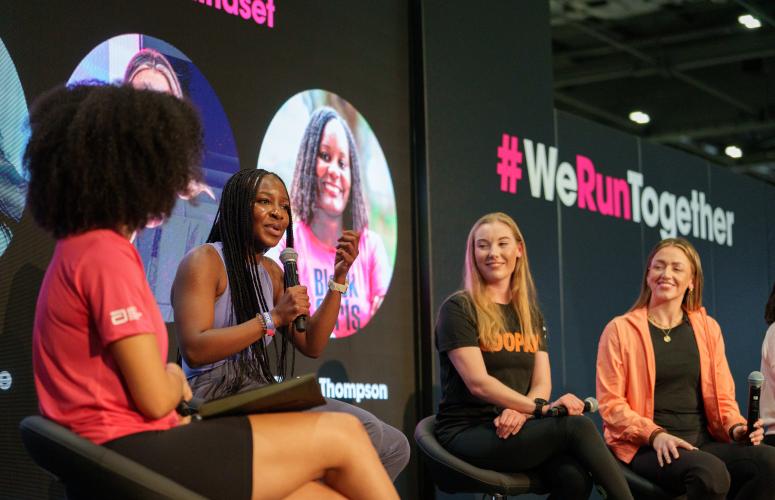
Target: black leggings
x=715, y=471
x=563, y=451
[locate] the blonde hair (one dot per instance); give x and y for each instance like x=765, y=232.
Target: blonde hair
x=489, y=319
x=692, y=299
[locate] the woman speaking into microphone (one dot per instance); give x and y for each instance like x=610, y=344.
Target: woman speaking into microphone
x=496, y=379
x=666, y=394
x=230, y=300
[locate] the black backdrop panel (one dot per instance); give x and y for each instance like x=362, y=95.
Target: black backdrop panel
x=741, y=286
x=670, y=170
x=595, y=250
x=357, y=50
x=486, y=76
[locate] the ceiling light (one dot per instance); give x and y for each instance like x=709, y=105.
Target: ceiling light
x=749, y=21
x=640, y=117
x=733, y=152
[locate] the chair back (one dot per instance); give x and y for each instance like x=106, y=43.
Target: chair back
x=453, y=475
x=92, y=471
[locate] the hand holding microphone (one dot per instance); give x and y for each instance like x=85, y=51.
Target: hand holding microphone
x=560, y=409
x=289, y=257
x=753, y=424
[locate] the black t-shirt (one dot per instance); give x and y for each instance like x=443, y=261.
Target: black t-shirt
x=511, y=361
x=678, y=406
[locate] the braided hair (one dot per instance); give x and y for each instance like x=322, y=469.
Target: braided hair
x=304, y=191
x=233, y=227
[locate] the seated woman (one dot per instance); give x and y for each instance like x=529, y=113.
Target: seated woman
x=230, y=299
x=496, y=379
x=666, y=394
x=768, y=370
x=104, y=160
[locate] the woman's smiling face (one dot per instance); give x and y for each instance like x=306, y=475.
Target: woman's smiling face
x=333, y=169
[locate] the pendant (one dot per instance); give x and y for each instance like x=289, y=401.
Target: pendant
x=667, y=339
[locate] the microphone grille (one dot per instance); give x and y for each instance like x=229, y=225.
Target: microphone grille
x=289, y=254
x=755, y=378
x=593, y=404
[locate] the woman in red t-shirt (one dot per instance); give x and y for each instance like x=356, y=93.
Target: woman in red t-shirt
x=103, y=161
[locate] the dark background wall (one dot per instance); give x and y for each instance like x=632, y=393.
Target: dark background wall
x=357, y=50
x=440, y=82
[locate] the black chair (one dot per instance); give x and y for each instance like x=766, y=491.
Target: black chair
x=643, y=489
x=92, y=471
x=453, y=475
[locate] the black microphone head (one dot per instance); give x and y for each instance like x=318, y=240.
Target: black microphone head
x=755, y=379
x=593, y=404
x=288, y=255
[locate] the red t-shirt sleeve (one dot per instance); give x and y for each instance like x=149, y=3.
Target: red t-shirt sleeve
x=116, y=293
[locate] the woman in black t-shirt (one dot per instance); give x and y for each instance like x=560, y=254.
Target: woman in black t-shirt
x=496, y=379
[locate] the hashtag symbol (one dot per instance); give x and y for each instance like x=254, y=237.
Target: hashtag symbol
x=508, y=167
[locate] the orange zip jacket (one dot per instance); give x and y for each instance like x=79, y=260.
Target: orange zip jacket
x=626, y=374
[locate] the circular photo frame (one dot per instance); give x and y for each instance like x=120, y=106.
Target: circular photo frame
x=148, y=62
x=338, y=178
x=13, y=139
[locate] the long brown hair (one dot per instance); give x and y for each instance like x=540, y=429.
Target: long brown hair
x=692, y=298
x=524, y=299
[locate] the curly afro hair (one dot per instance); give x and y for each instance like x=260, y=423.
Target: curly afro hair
x=107, y=157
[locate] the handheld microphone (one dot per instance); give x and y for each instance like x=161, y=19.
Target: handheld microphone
x=755, y=380
x=288, y=258
x=590, y=406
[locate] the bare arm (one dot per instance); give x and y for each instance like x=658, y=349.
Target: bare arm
x=155, y=388
x=541, y=381
x=313, y=341
x=469, y=363
x=200, y=278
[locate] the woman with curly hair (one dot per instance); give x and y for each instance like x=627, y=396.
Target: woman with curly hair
x=496, y=379
x=104, y=160
x=667, y=396
x=327, y=196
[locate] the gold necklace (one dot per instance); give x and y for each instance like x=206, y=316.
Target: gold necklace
x=665, y=331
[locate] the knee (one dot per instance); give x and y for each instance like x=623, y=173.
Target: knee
x=571, y=480
x=711, y=475
x=579, y=425
x=765, y=460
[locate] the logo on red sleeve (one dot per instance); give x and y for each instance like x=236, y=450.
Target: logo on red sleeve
x=121, y=316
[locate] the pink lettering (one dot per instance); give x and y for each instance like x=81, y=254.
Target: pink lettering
x=244, y=9
x=604, y=203
x=231, y=7
x=585, y=173
x=259, y=12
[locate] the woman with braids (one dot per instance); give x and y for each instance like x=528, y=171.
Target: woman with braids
x=230, y=300
x=496, y=380
x=102, y=161
x=666, y=394
x=768, y=370
x=327, y=196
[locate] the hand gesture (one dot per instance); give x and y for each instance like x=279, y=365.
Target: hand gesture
x=666, y=445
x=574, y=405
x=508, y=423
x=293, y=303
x=346, y=252
x=756, y=437
x=175, y=370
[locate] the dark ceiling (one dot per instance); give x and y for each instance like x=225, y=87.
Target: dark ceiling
x=705, y=80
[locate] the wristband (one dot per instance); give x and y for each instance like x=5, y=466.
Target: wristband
x=540, y=403
x=336, y=287
x=653, y=435
x=732, y=432
x=266, y=321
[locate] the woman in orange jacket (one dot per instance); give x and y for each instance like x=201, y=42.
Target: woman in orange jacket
x=666, y=394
